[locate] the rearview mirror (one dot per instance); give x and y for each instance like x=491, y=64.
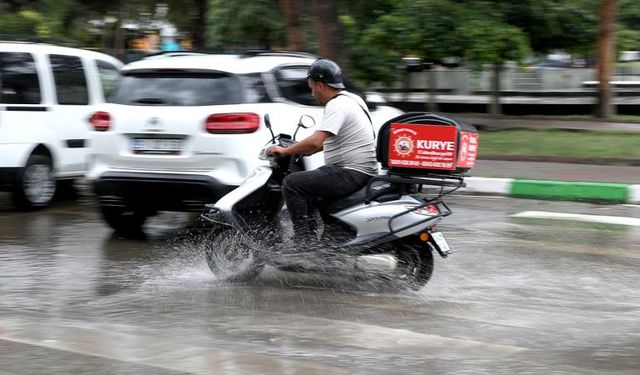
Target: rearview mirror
x=306, y=122
x=267, y=121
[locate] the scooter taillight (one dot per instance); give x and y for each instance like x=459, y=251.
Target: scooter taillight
x=433, y=209
x=428, y=210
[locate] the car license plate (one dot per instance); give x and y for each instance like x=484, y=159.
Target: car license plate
x=156, y=146
x=440, y=241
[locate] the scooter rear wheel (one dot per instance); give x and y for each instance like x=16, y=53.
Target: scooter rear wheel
x=415, y=267
x=230, y=256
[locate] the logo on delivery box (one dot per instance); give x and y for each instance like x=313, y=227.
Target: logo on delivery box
x=423, y=146
x=468, y=150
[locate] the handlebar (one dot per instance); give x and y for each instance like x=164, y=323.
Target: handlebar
x=286, y=142
x=282, y=140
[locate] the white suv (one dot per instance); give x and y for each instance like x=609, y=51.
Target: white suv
x=47, y=93
x=182, y=130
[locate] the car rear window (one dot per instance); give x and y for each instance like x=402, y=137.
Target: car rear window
x=187, y=89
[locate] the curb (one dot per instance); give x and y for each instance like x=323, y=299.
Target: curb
x=554, y=190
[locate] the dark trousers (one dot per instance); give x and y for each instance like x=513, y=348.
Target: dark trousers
x=302, y=189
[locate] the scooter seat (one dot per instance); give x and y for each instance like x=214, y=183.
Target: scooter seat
x=383, y=192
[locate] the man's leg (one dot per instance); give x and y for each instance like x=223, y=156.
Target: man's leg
x=301, y=188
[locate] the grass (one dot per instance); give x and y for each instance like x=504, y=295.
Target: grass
x=632, y=64
x=626, y=118
x=560, y=143
x=630, y=118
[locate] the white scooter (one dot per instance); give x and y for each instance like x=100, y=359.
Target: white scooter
x=385, y=230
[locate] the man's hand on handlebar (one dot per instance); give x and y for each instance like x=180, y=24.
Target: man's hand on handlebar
x=276, y=151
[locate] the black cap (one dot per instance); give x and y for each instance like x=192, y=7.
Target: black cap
x=326, y=71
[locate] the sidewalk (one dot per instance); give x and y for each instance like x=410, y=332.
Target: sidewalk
x=556, y=181
x=556, y=171
x=484, y=121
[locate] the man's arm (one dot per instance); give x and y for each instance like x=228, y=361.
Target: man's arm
x=307, y=146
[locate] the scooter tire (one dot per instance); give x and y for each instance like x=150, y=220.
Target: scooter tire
x=230, y=257
x=415, y=267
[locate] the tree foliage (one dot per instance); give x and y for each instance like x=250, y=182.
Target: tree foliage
x=494, y=42
x=69, y=20
x=22, y=22
x=377, y=51
x=253, y=24
x=569, y=25
x=432, y=30
x=377, y=33
x=628, y=32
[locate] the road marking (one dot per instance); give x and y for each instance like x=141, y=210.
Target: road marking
x=390, y=340
x=620, y=220
x=153, y=351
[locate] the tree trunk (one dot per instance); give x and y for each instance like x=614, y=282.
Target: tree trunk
x=432, y=103
x=495, y=108
x=406, y=87
x=119, y=38
x=329, y=32
x=295, y=31
x=606, y=57
x=106, y=38
x=198, y=34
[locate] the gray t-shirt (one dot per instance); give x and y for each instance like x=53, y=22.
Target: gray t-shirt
x=352, y=145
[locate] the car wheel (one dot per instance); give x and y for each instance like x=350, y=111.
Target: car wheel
x=36, y=185
x=124, y=220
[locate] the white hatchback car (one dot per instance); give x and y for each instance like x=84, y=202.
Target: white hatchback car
x=47, y=93
x=181, y=130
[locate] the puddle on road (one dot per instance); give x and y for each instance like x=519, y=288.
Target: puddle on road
x=179, y=264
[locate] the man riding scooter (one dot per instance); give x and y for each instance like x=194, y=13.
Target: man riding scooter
x=347, y=138
x=375, y=226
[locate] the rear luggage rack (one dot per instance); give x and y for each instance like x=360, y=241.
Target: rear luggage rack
x=454, y=181
x=442, y=213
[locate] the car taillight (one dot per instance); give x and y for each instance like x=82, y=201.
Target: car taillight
x=232, y=123
x=101, y=121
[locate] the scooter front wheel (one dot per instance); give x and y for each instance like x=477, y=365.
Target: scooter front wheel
x=230, y=256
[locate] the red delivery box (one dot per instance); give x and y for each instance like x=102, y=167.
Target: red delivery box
x=424, y=143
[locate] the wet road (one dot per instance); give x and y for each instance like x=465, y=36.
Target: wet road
x=520, y=295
